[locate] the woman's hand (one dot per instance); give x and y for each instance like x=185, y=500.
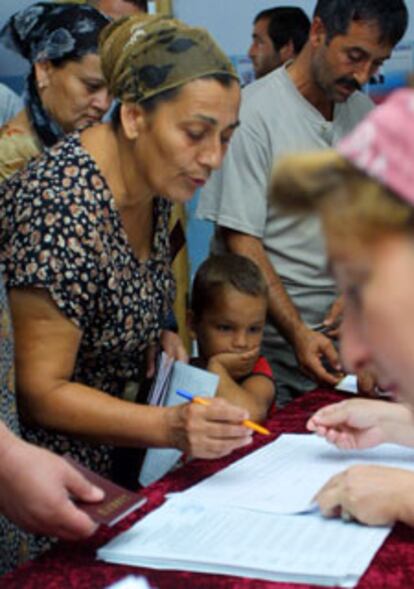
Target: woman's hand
x=171, y=344
x=208, y=431
x=373, y=495
x=363, y=423
x=35, y=491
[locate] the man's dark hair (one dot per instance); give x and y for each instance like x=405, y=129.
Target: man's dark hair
x=391, y=16
x=263, y=14
x=288, y=23
x=224, y=270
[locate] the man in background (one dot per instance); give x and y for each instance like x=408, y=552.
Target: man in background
x=309, y=103
x=278, y=36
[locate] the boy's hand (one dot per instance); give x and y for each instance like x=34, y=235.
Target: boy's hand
x=237, y=364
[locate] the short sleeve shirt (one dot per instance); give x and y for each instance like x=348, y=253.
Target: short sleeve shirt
x=276, y=120
x=61, y=232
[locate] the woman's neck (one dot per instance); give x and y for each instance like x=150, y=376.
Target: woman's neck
x=116, y=160
x=134, y=203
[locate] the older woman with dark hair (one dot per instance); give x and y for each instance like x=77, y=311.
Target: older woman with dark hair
x=65, y=88
x=85, y=250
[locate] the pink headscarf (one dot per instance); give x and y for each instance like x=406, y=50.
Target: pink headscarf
x=382, y=145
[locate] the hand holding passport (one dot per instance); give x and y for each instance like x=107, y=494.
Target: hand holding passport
x=117, y=503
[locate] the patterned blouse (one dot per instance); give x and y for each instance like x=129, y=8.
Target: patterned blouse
x=61, y=231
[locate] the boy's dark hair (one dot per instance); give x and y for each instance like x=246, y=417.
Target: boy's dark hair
x=222, y=270
x=391, y=16
x=288, y=23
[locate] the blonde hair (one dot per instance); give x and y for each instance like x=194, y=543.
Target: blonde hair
x=351, y=203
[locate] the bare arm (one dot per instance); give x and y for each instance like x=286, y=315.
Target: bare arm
x=46, y=347
x=309, y=345
x=255, y=394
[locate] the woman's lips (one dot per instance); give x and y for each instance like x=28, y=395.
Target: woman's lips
x=198, y=181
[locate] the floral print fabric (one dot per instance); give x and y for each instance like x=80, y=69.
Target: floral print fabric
x=60, y=231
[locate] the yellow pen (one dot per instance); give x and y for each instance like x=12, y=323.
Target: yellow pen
x=202, y=401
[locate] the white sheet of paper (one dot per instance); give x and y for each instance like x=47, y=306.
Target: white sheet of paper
x=182, y=536
x=284, y=476
x=348, y=384
x=131, y=582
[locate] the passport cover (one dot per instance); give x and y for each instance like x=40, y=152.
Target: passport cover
x=117, y=503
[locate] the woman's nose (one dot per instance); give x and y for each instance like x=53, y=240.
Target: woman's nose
x=212, y=155
x=102, y=100
x=355, y=352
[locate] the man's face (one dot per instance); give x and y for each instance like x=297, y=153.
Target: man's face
x=261, y=52
x=346, y=62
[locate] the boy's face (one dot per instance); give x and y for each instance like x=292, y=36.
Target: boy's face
x=233, y=324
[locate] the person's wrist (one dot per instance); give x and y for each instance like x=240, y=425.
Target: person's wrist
x=300, y=335
x=9, y=443
x=174, y=426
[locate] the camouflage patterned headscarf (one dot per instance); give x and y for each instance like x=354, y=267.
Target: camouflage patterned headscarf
x=143, y=56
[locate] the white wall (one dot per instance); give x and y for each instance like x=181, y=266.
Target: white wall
x=230, y=21
x=10, y=64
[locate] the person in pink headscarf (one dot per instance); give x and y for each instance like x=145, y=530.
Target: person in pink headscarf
x=364, y=192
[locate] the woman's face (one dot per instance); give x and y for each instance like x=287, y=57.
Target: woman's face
x=183, y=140
x=378, y=325
x=74, y=94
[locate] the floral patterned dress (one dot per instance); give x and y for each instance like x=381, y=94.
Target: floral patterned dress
x=60, y=231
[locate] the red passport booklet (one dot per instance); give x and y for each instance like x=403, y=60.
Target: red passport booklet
x=117, y=503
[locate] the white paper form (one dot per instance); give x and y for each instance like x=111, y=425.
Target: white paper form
x=301, y=549
x=284, y=476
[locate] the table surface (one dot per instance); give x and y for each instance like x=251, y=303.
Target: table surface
x=74, y=565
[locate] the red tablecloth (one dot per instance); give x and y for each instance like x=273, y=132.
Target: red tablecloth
x=73, y=565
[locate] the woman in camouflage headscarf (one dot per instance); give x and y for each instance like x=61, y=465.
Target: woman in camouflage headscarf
x=91, y=248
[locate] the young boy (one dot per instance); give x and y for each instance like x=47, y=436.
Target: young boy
x=227, y=318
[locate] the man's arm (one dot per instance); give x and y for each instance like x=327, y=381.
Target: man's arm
x=309, y=346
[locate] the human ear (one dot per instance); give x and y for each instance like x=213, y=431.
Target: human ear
x=287, y=52
x=43, y=70
x=317, y=33
x=132, y=119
